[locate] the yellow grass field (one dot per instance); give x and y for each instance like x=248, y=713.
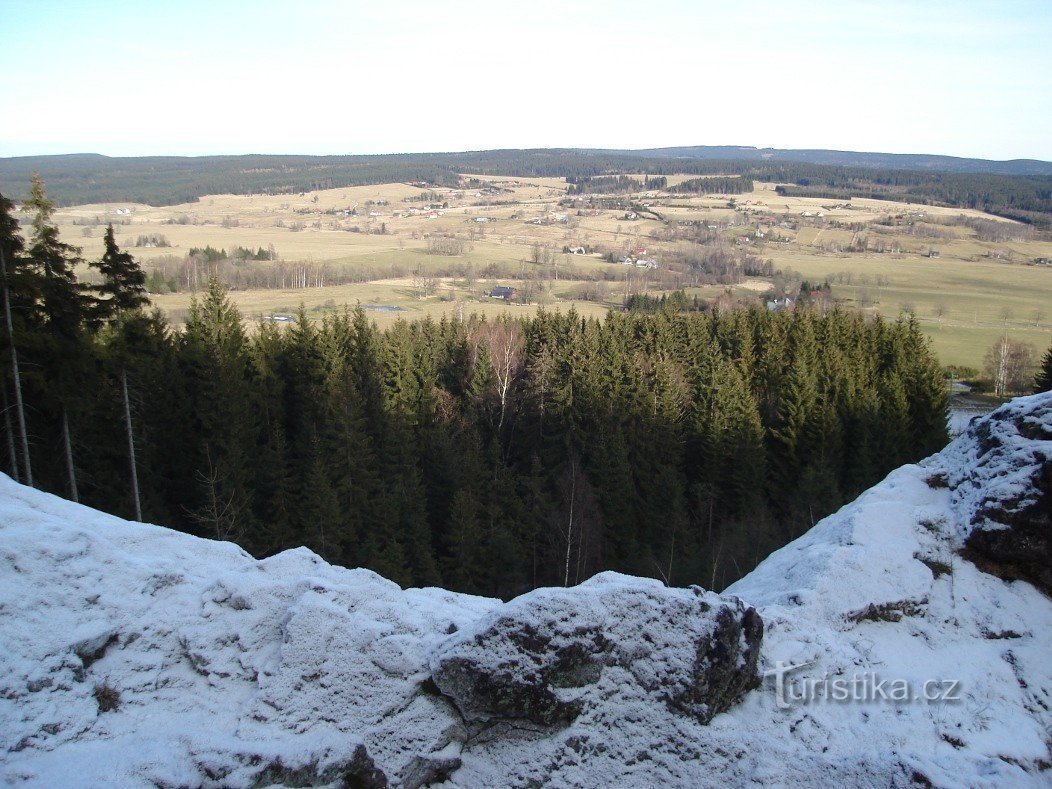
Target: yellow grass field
x=965, y=298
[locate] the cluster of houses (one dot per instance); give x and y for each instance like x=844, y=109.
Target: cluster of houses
x=552, y=216
x=429, y=212
x=637, y=258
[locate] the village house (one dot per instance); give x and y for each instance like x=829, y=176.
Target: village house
x=503, y=292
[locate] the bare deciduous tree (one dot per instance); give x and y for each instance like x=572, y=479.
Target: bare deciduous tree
x=220, y=514
x=504, y=345
x=1010, y=365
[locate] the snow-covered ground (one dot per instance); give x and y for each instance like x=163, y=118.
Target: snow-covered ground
x=133, y=655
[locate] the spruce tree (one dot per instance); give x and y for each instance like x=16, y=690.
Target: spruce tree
x=1043, y=382
x=64, y=305
x=464, y=543
x=926, y=391
x=19, y=289
x=123, y=295
x=123, y=288
x=217, y=368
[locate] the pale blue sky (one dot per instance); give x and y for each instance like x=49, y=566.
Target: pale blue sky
x=313, y=76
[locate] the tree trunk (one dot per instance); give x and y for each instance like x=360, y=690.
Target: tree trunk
x=1000, y=384
x=131, y=446
x=569, y=527
x=70, y=470
x=9, y=430
x=23, y=435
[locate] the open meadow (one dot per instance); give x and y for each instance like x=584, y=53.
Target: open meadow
x=411, y=250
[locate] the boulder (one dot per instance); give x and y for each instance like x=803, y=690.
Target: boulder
x=545, y=656
x=1007, y=491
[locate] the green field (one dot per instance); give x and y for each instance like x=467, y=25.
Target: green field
x=978, y=300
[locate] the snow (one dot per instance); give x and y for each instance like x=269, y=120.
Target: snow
x=553, y=651
x=220, y=660
x=226, y=666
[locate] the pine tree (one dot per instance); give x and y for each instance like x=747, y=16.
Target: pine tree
x=926, y=391
x=124, y=284
x=319, y=512
x=464, y=563
x=348, y=447
x=275, y=480
x=19, y=289
x=124, y=295
x=64, y=305
x=786, y=455
x=216, y=364
x=1043, y=382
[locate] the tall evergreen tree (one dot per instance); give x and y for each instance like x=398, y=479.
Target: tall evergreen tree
x=217, y=368
x=123, y=288
x=1043, y=381
x=64, y=305
x=123, y=295
x=18, y=289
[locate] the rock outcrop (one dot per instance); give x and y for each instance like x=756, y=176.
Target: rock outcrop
x=546, y=655
x=1006, y=490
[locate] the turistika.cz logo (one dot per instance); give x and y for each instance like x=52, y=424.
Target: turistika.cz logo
x=866, y=687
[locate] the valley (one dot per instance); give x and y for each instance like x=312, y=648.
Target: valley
x=419, y=250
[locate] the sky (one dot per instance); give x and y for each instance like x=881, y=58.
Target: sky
x=194, y=78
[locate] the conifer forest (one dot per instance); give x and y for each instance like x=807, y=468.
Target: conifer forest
x=488, y=456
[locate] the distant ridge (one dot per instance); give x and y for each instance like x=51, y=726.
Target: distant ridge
x=896, y=161
x=1018, y=189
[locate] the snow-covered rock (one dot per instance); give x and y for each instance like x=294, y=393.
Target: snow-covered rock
x=1003, y=482
x=132, y=655
x=549, y=654
x=221, y=670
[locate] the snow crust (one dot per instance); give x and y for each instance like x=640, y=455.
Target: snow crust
x=226, y=666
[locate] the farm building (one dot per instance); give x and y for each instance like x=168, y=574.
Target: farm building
x=503, y=292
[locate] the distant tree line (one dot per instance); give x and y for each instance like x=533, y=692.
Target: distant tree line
x=209, y=254
x=733, y=185
x=1026, y=198
x=488, y=456
x=676, y=301
x=613, y=184
x=89, y=178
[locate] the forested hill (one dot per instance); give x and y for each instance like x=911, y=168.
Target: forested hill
x=1020, y=190
x=894, y=161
